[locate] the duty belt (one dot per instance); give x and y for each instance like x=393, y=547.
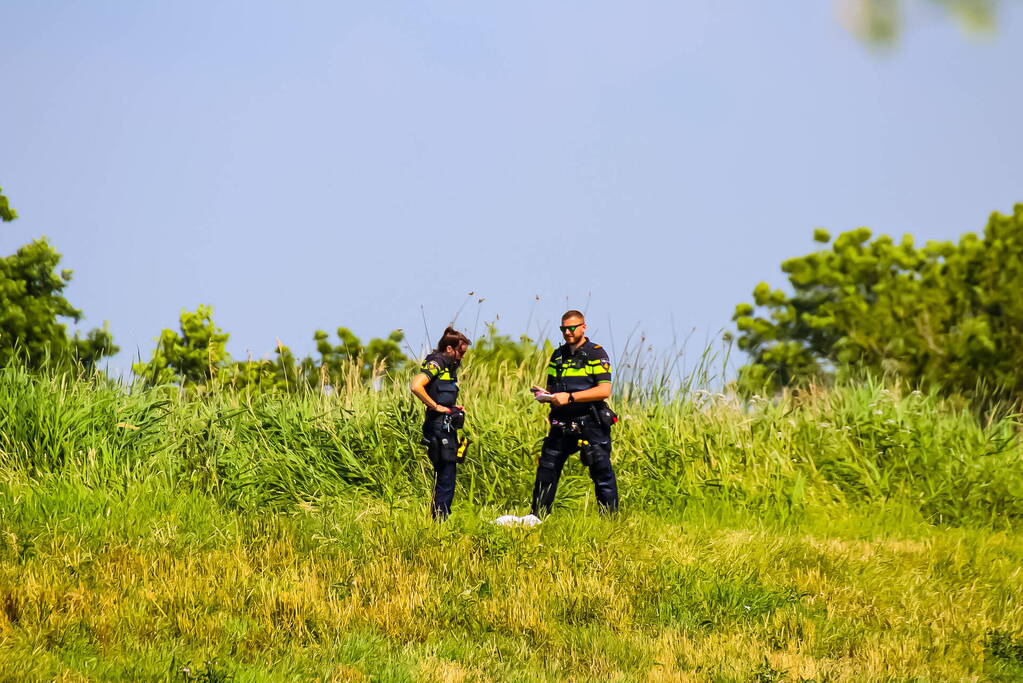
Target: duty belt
x=570, y=426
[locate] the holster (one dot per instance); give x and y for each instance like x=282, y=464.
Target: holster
x=585, y=452
x=603, y=414
x=448, y=448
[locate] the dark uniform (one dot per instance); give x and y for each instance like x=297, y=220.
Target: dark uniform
x=583, y=427
x=440, y=430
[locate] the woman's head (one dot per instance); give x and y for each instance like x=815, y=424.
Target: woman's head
x=453, y=343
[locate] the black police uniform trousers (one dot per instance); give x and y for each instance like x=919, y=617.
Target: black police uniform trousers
x=593, y=442
x=442, y=448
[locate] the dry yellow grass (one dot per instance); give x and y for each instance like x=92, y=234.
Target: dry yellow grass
x=581, y=598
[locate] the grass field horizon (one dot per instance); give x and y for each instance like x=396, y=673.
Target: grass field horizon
x=856, y=532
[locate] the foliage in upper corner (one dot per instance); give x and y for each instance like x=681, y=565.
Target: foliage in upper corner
x=946, y=315
x=880, y=22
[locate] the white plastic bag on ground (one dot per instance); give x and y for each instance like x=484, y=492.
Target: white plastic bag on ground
x=530, y=520
x=513, y=520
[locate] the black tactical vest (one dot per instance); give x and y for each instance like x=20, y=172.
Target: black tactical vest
x=443, y=374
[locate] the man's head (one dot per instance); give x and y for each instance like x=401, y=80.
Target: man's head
x=453, y=343
x=573, y=327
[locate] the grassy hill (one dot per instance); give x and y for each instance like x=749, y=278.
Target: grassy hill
x=844, y=534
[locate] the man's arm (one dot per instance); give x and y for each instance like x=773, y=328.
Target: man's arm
x=598, y=393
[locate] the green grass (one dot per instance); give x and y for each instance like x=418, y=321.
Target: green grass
x=848, y=534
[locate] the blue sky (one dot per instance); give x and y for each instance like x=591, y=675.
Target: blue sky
x=310, y=165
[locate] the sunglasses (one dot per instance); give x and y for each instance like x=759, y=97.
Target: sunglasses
x=570, y=328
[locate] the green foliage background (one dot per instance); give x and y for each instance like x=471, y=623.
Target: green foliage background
x=31, y=304
x=196, y=354
x=945, y=315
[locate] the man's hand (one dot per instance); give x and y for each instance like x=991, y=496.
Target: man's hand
x=540, y=394
x=560, y=399
x=441, y=409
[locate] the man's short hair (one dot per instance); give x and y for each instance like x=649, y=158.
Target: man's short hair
x=573, y=314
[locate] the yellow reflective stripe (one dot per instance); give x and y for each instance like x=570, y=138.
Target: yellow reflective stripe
x=574, y=372
x=446, y=374
x=604, y=381
x=551, y=372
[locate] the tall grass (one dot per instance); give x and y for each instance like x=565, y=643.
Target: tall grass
x=848, y=446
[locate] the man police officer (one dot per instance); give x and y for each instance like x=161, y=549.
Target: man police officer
x=578, y=383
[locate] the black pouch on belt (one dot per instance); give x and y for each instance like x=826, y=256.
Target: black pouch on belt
x=604, y=415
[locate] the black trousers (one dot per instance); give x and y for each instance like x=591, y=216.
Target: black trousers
x=593, y=442
x=442, y=448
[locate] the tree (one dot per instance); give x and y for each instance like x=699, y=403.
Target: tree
x=493, y=350
x=191, y=355
x=31, y=303
x=196, y=353
x=7, y=214
x=338, y=358
x=282, y=374
x=945, y=315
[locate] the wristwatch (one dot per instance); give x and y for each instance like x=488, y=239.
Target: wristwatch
x=571, y=398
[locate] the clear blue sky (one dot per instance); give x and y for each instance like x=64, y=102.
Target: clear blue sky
x=313, y=164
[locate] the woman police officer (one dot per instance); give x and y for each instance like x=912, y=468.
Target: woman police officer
x=436, y=385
